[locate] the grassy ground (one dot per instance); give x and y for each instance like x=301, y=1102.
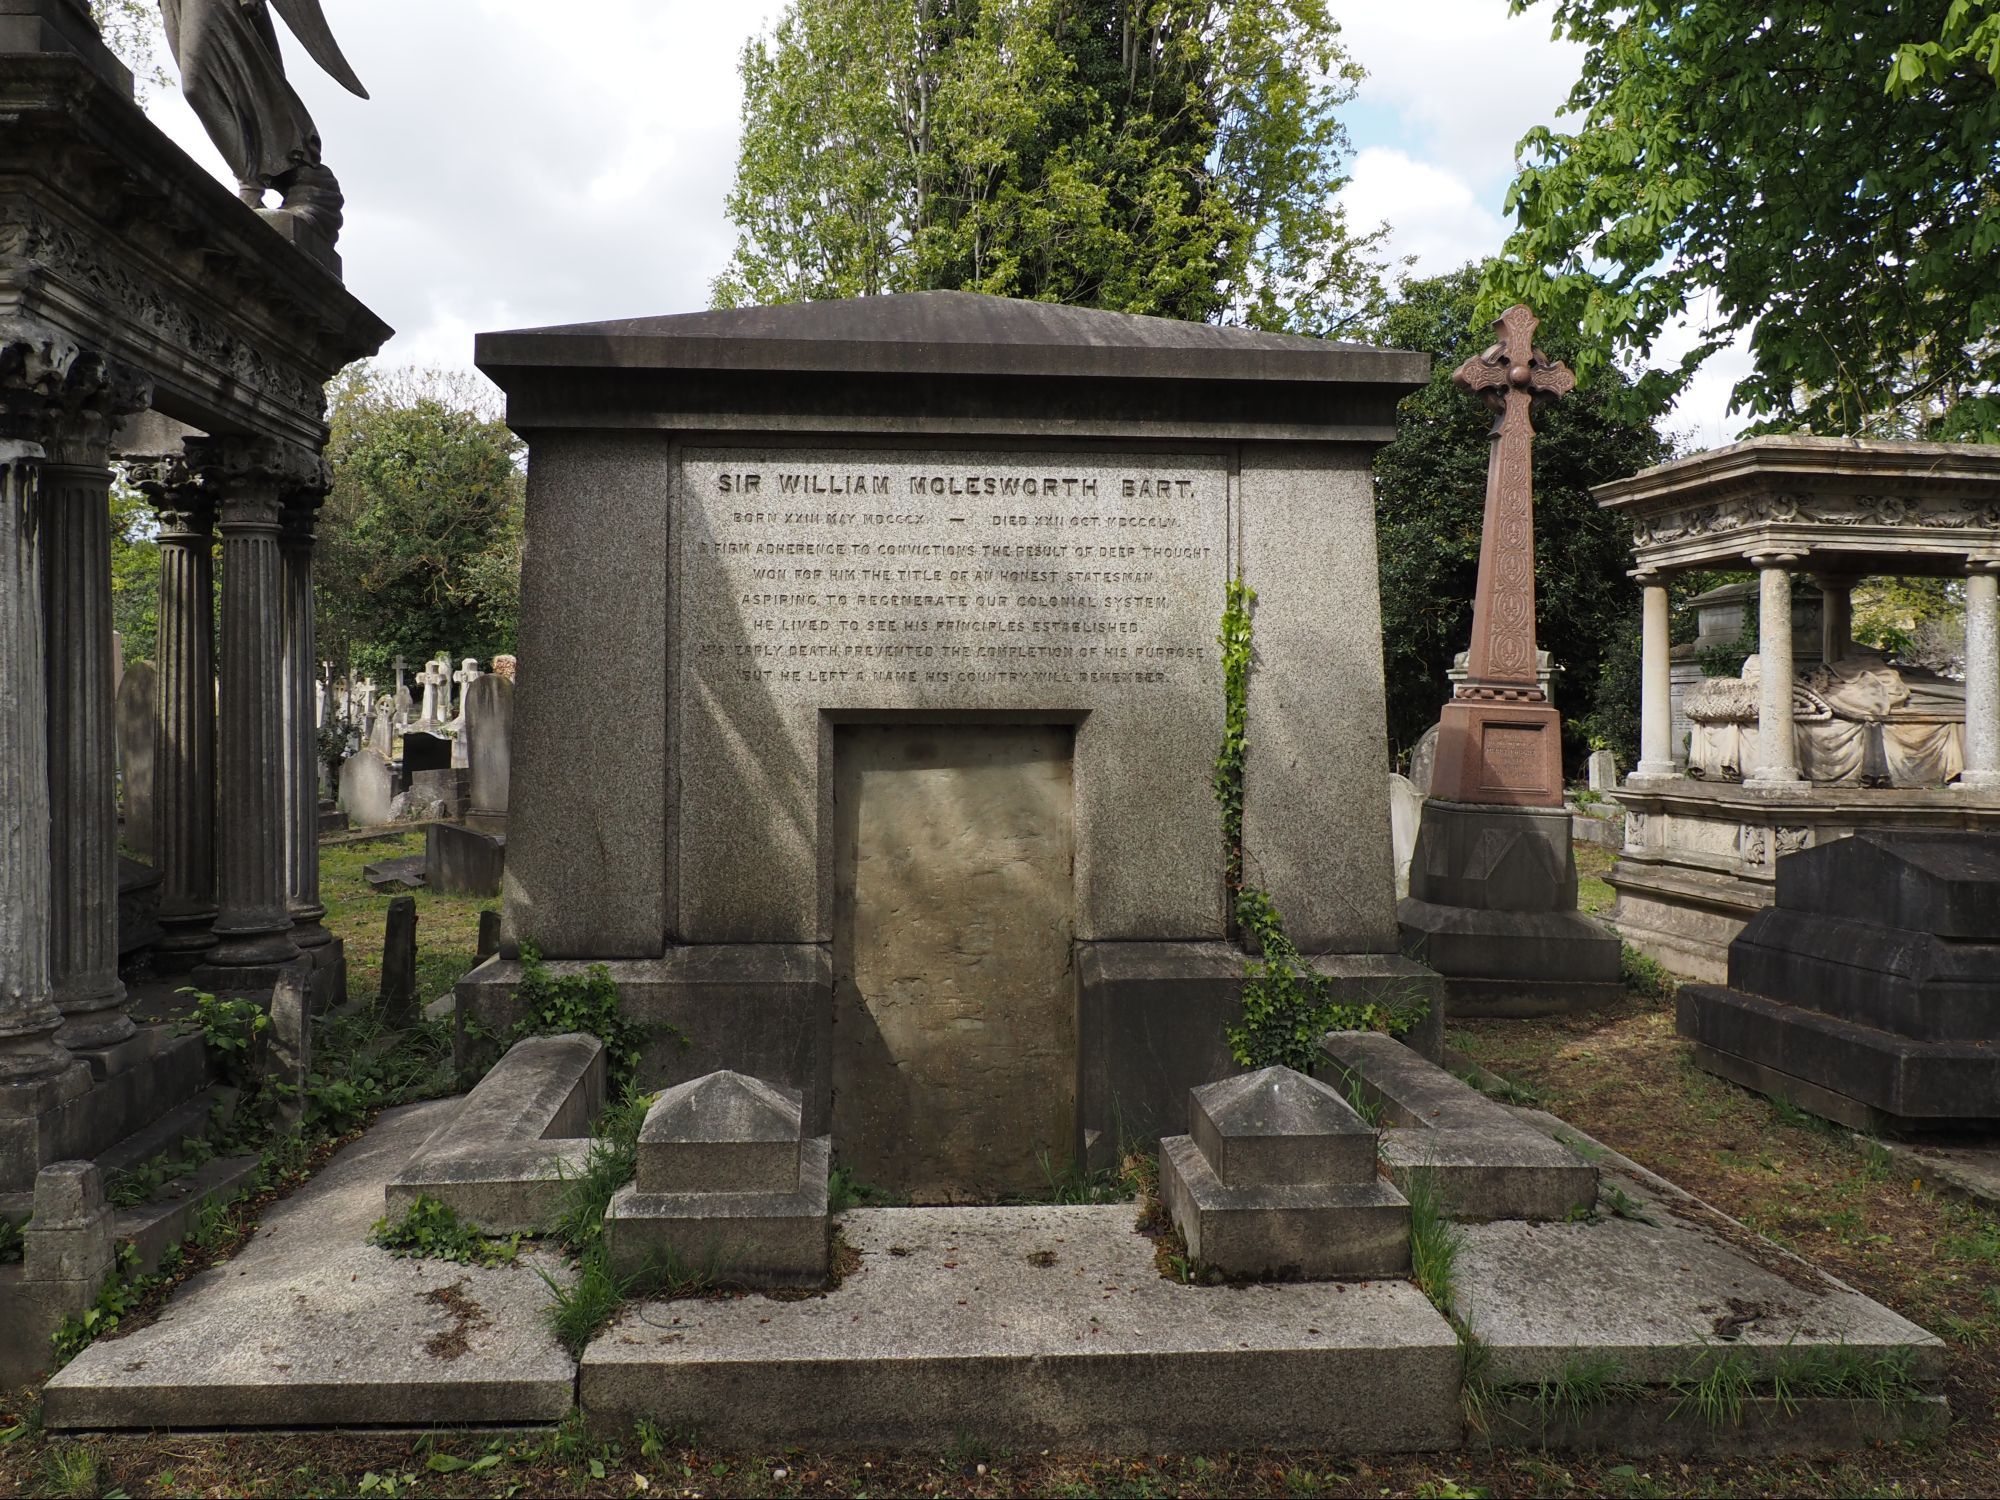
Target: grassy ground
x=1620, y=1075
x=447, y=926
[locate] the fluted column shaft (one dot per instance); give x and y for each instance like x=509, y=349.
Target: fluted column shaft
x=28, y=1016
x=253, y=924
x=83, y=757
x=184, y=731
x=301, y=726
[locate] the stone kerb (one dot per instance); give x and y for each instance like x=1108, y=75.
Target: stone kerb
x=1485, y=1163
x=728, y=1186
x=502, y=1159
x=1276, y=1179
x=67, y=1250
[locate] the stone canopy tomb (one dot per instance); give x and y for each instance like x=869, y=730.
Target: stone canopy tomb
x=873, y=695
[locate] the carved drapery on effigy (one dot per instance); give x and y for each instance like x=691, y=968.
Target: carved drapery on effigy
x=1858, y=722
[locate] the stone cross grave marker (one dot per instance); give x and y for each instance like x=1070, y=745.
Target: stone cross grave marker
x=432, y=679
x=1500, y=741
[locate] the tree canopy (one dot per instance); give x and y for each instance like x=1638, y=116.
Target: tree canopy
x=1174, y=157
x=1430, y=501
x=1821, y=174
x=420, y=541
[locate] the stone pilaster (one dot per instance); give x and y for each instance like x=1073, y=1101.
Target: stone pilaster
x=1982, y=679
x=1656, y=718
x=1777, y=739
x=253, y=925
x=83, y=752
x=184, y=787
x=1836, y=593
x=301, y=720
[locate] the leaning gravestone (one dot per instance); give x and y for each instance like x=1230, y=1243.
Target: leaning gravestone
x=489, y=730
x=137, y=710
x=904, y=799
x=367, y=786
x=398, y=996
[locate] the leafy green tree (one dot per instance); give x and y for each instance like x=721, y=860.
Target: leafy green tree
x=131, y=29
x=420, y=541
x=1823, y=175
x=1430, y=498
x=135, y=574
x=1174, y=157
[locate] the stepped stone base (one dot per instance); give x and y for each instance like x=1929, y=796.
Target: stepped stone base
x=1284, y=1232
x=737, y=1239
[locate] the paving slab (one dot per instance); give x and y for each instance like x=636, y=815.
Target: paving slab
x=1044, y=1326
x=1658, y=1299
x=312, y=1326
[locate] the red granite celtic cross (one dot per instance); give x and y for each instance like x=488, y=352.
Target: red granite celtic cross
x=1510, y=377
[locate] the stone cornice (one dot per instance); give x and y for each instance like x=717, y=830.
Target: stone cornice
x=110, y=233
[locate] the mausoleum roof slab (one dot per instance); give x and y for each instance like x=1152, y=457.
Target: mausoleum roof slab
x=1834, y=504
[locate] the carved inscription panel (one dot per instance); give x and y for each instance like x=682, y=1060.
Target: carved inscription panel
x=889, y=580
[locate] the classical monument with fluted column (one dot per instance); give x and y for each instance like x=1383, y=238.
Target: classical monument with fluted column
x=151, y=317
x=1778, y=760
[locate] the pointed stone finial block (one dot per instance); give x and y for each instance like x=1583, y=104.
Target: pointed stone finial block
x=1279, y=1126
x=722, y=1133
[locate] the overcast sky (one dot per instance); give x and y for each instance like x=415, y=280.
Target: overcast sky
x=521, y=163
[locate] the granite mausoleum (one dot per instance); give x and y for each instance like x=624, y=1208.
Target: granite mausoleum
x=904, y=801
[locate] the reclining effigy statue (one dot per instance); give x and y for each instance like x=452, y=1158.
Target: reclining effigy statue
x=1860, y=721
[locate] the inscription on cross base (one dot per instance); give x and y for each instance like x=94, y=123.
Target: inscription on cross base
x=1511, y=377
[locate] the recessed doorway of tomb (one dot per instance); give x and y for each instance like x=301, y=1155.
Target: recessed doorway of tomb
x=954, y=1036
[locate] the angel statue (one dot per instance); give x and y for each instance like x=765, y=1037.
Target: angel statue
x=234, y=80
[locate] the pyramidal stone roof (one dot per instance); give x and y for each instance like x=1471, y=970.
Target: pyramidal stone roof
x=945, y=333
x=723, y=1107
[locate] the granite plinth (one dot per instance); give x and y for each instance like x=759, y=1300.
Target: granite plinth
x=744, y=1238
x=1499, y=754
x=1314, y=1231
x=1032, y=1328
x=462, y=859
x=310, y=1325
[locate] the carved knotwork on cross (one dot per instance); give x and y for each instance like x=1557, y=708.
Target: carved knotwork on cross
x=1512, y=377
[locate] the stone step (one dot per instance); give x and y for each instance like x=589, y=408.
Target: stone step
x=166, y=1133
x=155, y=1226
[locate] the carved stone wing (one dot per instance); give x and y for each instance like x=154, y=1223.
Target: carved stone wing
x=308, y=23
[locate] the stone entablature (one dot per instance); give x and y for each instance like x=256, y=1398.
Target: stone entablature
x=111, y=237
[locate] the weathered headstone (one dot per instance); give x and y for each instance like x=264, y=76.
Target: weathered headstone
x=1603, y=771
x=467, y=674
x=1406, y=810
x=288, y=1043
x=489, y=731
x=434, y=682
x=138, y=731
x=382, y=728
x=1423, y=762
x=367, y=786
x=399, y=963
x=489, y=934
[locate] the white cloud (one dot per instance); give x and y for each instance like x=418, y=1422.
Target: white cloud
x=1433, y=215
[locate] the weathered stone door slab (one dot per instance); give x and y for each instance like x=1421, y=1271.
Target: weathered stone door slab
x=954, y=1062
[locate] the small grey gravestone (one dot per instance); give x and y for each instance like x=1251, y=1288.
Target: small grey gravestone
x=137, y=705
x=367, y=786
x=399, y=963
x=1603, y=771
x=489, y=934
x=1406, y=810
x=382, y=729
x=489, y=730
x=1423, y=761
x=288, y=1048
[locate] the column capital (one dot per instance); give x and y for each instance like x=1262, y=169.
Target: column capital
x=173, y=489
x=253, y=479
x=56, y=392
x=1976, y=567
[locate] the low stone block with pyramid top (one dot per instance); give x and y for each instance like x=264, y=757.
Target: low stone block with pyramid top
x=728, y=1185
x=1276, y=1178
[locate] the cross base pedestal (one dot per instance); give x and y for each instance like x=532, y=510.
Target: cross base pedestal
x=1499, y=753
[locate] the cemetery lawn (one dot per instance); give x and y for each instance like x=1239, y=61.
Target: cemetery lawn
x=447, y=926
x=1620, y=1075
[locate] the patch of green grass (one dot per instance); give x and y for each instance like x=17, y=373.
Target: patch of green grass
x=1589, y=1150
x=1580, y=1387
x=1791, y=1115
x=1615, y=1201
x=430, y=1230
x=1434, y=1241
x=1645, y=976
x=75, y=1470
x=1363, y=1100
x=845, y=1191
x=585, y=1305
x=1504, y=1090
x=1884, y=1376
x=1714, y=1389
